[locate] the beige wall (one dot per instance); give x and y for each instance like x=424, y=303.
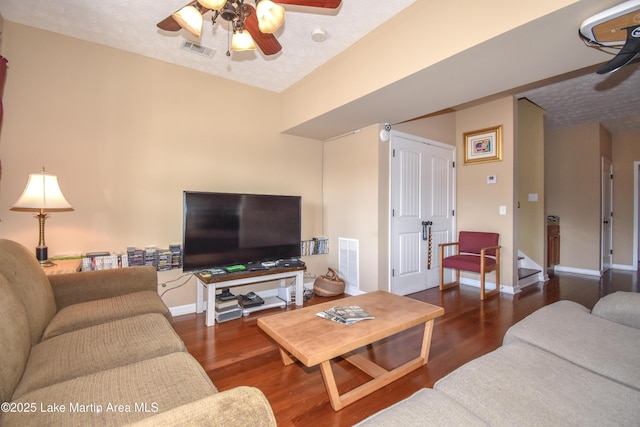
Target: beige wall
x=626, y=151
x=378, y=52
x=126, y=135
x=573, y=187
x=530, y=180
x=354, y=190
x=478, y=202
x=441, y=128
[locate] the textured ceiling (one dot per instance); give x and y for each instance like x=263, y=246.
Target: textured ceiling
x=131, y=26
x=611, y=99
x=570, y=100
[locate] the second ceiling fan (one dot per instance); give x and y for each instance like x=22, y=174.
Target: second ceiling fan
x=252, y=25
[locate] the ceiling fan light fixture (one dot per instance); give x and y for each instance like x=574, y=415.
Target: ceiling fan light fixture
x=213, y=4
x=190, y=19
x=242, y=40
x=270, y=16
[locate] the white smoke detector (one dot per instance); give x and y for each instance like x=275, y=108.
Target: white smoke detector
x=318, y=35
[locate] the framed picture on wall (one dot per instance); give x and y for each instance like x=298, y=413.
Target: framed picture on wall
x=484, y=145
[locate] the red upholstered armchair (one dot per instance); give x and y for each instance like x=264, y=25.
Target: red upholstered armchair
x=475, y=251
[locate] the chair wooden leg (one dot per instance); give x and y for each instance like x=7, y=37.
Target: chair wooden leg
x=483, y=292
x=449, y=285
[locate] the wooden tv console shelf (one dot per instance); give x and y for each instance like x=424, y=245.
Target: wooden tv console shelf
x=240, y=278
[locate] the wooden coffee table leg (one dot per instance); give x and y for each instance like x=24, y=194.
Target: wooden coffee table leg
x=286, y=357
x=426, y=341
x=380, y=376
x=330, y=384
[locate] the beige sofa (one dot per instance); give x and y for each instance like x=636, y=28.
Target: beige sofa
x=98, y=348
x=561, y=366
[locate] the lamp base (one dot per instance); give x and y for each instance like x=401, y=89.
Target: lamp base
x=47, y=263
x=42, y=255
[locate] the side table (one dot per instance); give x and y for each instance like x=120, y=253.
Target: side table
x=63, y=266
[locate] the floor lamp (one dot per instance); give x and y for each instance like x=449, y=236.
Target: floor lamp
x=42, y=195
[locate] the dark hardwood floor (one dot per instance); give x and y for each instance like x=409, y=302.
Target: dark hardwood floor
x=238, y=353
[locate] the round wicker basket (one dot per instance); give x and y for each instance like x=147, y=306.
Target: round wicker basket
x=328, y=285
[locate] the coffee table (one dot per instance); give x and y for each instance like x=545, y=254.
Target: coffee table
x=312, y=340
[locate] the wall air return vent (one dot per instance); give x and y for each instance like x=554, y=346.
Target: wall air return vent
x=196, y=48
x=348, y=263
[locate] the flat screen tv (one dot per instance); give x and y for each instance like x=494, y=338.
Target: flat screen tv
x=221, y=229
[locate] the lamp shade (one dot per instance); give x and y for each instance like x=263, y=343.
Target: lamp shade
x=242, y=40
x=42, y=193
x=270, y=16
x=190, y=19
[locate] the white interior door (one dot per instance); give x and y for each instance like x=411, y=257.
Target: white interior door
x=422, y=208
x=607, y=215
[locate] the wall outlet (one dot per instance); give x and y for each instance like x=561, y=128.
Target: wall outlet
x=492, y=179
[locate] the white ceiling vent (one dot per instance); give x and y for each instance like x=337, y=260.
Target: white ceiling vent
x=196, y=48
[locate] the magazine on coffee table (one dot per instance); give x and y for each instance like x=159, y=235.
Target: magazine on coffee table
x=345, y=314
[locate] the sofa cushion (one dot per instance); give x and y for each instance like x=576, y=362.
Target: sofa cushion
x=426, y=407
x=96, y=348
x=70, y=289
x=15, y=340
x=466, y=262
x=239, y=406
x=568, y=330
x=82, y=315
x=24, y=274
x=519, y=384
x=620, y=307
x=117, y=396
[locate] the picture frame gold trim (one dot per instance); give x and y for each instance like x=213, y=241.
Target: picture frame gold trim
x=484, y=145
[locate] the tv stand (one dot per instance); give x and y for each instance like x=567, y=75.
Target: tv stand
x=240, y=278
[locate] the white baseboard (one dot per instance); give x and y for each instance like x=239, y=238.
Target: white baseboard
x=510, y=290
x=352, y=291
x=563, y=269
x=504, y=289
x=624, y=267
x=183, y=309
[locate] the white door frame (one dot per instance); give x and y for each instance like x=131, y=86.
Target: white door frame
x=636, y=236
x=606, y=218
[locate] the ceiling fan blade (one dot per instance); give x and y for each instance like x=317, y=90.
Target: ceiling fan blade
x=267, y=43
x=327, y=4
x=170, y=24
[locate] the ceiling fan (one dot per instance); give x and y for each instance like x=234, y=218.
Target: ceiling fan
x=252, y=25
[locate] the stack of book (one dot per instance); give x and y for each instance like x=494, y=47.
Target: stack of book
x=226, y=301
x=163, y=257
x=227, y=307
x=345, y=314
x=176, y=255
x=94, y=261
x=315, y=246
x=136, y=256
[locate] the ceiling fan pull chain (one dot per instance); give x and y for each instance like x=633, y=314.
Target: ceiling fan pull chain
x=228, y=39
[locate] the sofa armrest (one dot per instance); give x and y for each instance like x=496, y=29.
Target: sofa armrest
x=620, y=307
x=240, y=406
x=74, y=288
